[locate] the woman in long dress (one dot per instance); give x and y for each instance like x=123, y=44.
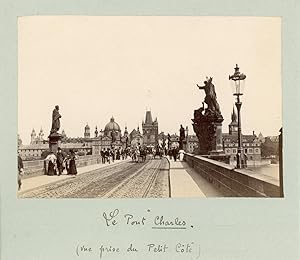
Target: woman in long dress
x=72, y=163
x=51, y=158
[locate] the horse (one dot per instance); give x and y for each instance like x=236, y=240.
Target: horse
x=143, y=154
x=134, y=155
x=158, y=152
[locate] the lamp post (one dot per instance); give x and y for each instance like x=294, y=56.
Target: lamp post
x=238, y=81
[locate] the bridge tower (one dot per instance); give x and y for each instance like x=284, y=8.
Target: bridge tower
x=150, y=130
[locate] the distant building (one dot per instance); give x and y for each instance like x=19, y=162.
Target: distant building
x=87, y=131
x=125, y=138
x=111, y=137
x=19, y=140
x=250, y=144
x=150, y=130
x=261, y=138
x=96, y=131
x=192, y=144
x=174, y=140
x=272, y=139
x=270, y=147
x=64, y=136
x=34, y=151
x=37, y=139
x=136, y=138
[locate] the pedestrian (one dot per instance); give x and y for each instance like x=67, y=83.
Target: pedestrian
x=112, y=155
x=66, y=163
x=118, y=154
x=170, y=153
x=20, y=171
x=51, y=158
x=60, y=161
x=72, y=163
x=174, y=153
x=103, y=155
x=107, y=155
x=245, y=160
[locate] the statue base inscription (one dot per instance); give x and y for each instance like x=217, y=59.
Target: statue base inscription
x=54, y=141
x=208, y=128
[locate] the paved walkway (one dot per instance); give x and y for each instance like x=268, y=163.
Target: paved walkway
x=187, y=183
x=31, y=183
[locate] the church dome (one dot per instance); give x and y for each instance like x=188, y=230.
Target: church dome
x=112, y=125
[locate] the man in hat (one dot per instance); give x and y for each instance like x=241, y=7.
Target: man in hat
x=60, y=161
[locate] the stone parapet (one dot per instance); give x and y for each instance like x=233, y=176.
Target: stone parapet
x=233, y=182
x=37, y=167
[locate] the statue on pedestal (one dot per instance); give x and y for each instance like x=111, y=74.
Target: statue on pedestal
x=207, y=122
x=55, y=137
x=55, y=120
x=210, y=97
x=181, y=137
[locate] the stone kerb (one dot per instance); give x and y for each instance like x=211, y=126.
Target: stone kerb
x=230, y=181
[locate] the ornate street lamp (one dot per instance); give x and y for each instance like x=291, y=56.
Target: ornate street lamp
x=237, y=81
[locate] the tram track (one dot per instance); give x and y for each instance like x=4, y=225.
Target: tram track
x=124, y=180
x=152, y=180
x=64, y=188
x=141, y=184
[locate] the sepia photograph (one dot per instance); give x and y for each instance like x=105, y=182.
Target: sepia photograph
x=149, y=107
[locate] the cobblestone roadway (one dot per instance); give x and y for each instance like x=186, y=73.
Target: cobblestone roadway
x=125, y=180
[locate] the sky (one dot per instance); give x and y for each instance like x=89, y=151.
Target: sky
x=96, y=67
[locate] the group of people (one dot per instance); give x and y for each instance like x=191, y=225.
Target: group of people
x=111, y=154
x=173, y=153
x=138, y=152
x=60, y=162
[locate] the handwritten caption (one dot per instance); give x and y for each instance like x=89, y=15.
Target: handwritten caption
x=181, y=248
x=115, y=218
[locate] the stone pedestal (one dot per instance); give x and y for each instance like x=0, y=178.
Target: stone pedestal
x=54, y=141
x=208, y=128
x=217, y=143
x=184, y=145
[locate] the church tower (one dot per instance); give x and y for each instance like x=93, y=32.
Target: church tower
x=150, y=130
x=87, y=131
x=125, y=132
x=41, y=135
x=63, y=136
x=33, y=136
x=96, y=132
x=233, y=126
x=19, y=140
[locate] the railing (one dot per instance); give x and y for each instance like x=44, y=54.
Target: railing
x=233, y=182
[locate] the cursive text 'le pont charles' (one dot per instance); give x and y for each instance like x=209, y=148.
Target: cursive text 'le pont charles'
x=114, y=218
